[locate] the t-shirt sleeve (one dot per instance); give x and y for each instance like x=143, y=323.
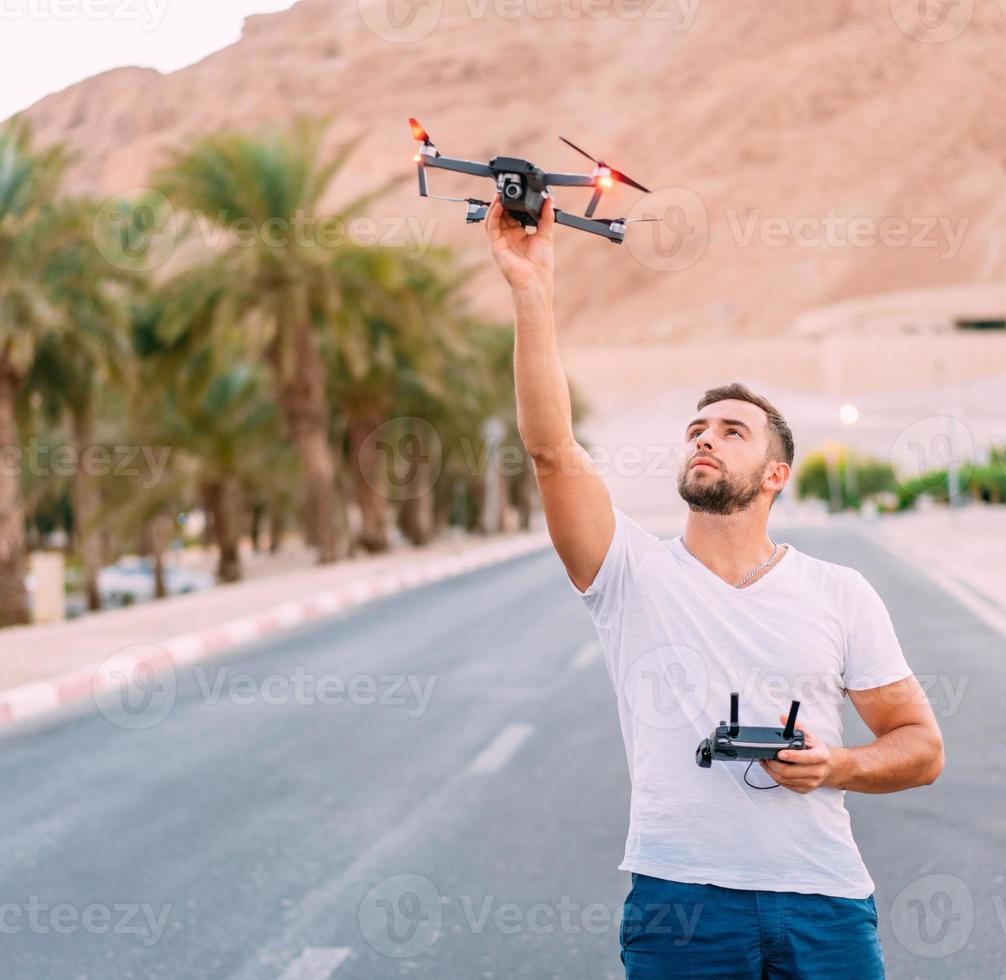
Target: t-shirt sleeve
x=619, y=570
x=873, y=655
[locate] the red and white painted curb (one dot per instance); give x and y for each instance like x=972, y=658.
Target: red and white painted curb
x=41, y=697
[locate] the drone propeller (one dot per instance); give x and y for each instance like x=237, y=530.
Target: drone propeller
x=418, y=133
x=582, y=153
x=426, y=150
x=604, y=177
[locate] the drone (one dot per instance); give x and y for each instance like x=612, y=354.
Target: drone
x=523, y=187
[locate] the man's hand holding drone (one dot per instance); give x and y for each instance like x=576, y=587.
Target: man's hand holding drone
x=526, y=260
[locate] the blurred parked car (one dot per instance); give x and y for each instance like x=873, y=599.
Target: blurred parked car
x=131, y=580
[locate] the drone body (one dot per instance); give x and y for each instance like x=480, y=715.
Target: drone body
x=523, y=187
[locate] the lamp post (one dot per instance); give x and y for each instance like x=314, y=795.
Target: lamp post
x=493, y=431
x=830, y=453
x=849, y=414
x=953, y=469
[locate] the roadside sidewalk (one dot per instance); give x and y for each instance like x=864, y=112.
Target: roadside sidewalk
x=46, y=667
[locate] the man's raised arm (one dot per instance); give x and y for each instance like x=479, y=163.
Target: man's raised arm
x=577, y=505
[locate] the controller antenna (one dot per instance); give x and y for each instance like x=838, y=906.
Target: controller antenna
x=734, y=713
x=787, y=732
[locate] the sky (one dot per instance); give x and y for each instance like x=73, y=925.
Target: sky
x=46, y=45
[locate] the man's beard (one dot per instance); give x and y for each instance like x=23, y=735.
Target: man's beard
x=720, y=495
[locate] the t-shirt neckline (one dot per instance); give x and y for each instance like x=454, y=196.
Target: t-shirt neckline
x=679, y=544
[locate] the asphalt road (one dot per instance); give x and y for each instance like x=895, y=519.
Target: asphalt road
x=434, y=787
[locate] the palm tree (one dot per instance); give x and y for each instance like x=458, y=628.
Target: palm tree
x=228, y=428
x=212, y=406
x=481, y=389
x=29, y=181
x=90, y=354
x=277, y=290
x=400, y=323
x=144, y=507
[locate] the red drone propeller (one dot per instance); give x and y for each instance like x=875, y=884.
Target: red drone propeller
x=603, y=180
x=418, y=133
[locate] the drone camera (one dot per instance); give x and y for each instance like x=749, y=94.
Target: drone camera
x=511, y=187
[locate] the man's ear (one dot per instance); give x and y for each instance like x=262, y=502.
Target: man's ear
x=776, y=476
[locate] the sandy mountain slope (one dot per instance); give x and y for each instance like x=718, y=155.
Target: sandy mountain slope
x=800, y=152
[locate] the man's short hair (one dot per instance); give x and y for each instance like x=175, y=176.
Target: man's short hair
x=781, y=438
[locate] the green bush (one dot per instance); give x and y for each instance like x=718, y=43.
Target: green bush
x=874, y=479
x=857, y=478
x=988, y=483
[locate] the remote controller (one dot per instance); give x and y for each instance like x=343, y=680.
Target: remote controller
x=732, y=741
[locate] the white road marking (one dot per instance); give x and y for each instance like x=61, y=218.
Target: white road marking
x=586, y=655
x=317, y=963
x=981, y=607
x=500, y=750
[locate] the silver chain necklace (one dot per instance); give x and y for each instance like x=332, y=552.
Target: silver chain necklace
x=750, y=575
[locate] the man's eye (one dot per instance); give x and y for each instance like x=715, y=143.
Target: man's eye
x=732, y=432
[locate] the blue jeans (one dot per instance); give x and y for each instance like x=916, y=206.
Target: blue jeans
x=674, y=929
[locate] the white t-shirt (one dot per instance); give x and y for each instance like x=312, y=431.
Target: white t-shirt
x=677, y=640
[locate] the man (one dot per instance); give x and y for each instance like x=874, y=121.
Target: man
x=737, y=871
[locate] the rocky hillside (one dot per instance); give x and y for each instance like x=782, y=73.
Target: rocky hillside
x=800, y=153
